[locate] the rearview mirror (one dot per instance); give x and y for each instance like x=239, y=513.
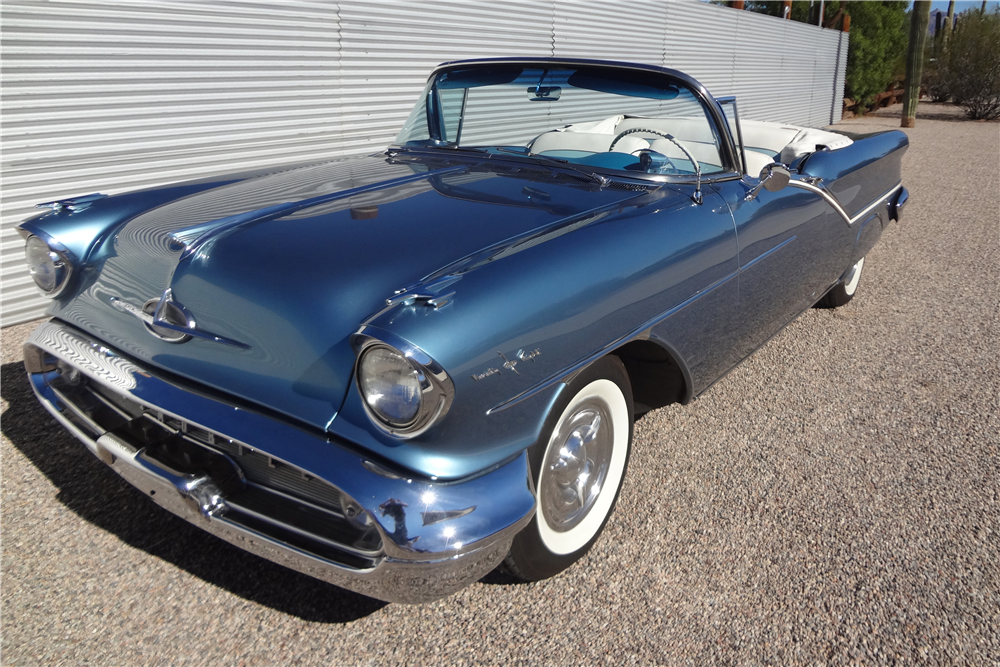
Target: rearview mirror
x=544, y=93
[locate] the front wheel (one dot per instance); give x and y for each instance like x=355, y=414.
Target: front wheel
x=579, y=471
x=843, y=291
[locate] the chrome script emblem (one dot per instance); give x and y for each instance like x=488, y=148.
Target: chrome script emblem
x=168, y=320
x=509, y=364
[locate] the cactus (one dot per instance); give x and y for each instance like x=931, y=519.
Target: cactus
x=919, y=20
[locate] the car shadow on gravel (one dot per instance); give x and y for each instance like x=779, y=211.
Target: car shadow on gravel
x=95, y=493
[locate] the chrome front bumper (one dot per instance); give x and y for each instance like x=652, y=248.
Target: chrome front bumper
x=296, y=497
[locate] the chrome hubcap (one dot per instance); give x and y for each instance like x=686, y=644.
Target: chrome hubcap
x=576, y=465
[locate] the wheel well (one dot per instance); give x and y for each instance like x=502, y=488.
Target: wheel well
x=657, y=379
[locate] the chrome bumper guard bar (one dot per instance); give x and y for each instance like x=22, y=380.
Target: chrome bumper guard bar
x=298, y=498
x=897, y=204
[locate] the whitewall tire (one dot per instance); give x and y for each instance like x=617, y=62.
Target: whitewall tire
x=843, y=291
x=579, y=469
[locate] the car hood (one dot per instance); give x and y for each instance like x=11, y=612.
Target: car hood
x=282, y=269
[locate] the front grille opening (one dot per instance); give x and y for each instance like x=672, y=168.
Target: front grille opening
x=263, y=494
x=298, y=524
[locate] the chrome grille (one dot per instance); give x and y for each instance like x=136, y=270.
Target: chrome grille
x=257, y=467
x=269, y=496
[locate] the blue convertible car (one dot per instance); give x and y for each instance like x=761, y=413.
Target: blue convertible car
x=397, y=372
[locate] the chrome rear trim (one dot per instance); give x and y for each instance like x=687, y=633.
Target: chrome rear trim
x=828, y=196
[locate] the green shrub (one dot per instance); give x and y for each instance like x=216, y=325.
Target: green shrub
x=935, y=78
x=877, y=48
x=973, y=64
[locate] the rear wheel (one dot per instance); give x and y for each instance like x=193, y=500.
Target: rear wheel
x=843, y=291
x=578, y=470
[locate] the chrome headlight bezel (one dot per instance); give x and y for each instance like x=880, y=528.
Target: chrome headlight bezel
x=61, y=265
x=437, y=391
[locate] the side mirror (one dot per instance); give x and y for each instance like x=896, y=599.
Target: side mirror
x=773, y=177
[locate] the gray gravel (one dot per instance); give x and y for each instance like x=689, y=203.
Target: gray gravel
x=834, y=500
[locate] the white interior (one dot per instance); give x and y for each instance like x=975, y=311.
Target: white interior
x=765, y=142
x=786, y=142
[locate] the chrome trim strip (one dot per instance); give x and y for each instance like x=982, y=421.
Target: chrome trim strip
x=767, y=254
x=566, y=374
x=830, y=199
x=79, y=414
x=635, y=333
x=828, y=196
x=363, y=553
x=279, y=492
x=875, y=203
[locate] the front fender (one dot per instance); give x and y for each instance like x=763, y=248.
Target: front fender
x=517, y=326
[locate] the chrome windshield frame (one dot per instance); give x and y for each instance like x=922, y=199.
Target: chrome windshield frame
x=732, y=162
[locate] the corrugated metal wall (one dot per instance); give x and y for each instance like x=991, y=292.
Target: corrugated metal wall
x=112, y=95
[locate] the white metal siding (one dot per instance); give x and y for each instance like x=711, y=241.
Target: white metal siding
x=113, y=95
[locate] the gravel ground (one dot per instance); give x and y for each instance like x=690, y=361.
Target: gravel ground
x=834, y=500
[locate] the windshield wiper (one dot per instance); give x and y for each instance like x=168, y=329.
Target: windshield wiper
x=590, y=177
x=562, y=164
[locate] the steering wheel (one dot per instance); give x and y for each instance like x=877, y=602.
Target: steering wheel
x=639, y=129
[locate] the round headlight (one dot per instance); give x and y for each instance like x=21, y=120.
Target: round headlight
x=49, y=268
x=390, y=385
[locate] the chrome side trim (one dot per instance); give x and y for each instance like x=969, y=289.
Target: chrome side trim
x=830, y=199
x=864, y=212
x=765, y=255
x=567, y=374
x=825, y=194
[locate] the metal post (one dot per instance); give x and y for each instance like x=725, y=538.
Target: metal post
x=838, y=94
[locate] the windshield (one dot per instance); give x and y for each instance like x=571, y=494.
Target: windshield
x=609, y=118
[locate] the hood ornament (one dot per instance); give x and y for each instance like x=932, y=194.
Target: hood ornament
x=170, y=321
x=74, y=204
